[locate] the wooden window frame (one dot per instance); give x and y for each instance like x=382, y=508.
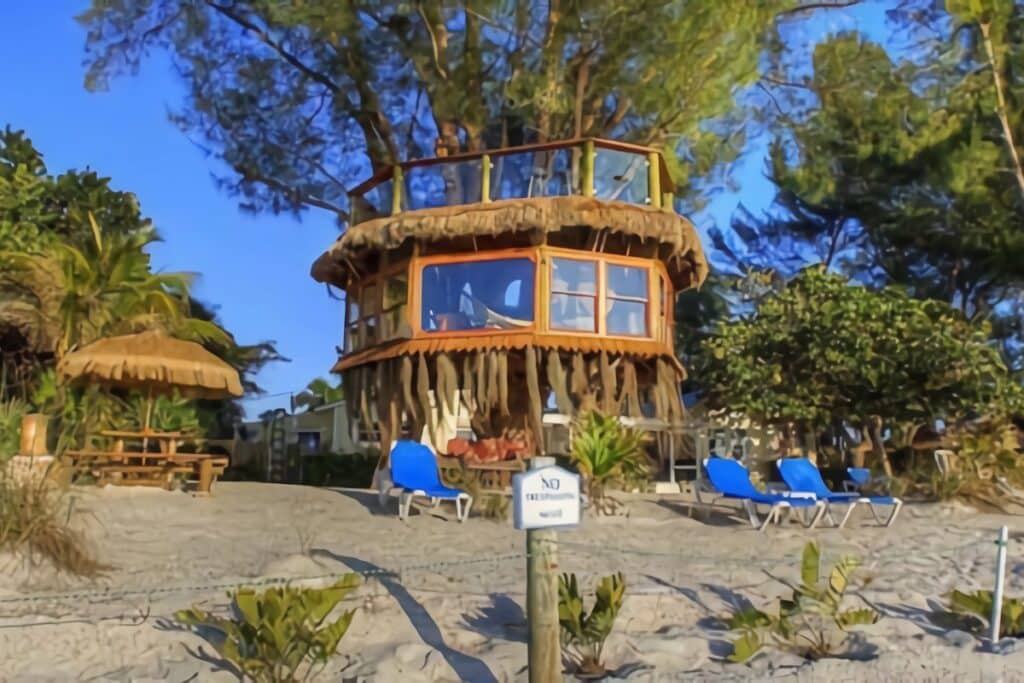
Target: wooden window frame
x=416, y=304
x=378, y=280
x=647, y=302
x=596, y=297
x=654, y=269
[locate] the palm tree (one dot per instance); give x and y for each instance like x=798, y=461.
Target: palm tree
x=69, y=295
x=318, y=393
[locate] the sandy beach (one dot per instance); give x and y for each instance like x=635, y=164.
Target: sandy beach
x=450, y=604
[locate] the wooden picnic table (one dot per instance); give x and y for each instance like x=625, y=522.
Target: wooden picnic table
x=168, y=441
x=127, y=468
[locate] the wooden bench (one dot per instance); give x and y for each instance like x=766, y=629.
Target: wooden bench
x=128, y=468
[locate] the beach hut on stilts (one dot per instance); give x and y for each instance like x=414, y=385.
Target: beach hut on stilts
x=501, y=284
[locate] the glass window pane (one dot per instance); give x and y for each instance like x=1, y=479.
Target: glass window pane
x=376, y=202
x=627, y=317
x=620, y=175
x=396, y=290
x=370, y=331
x=370, y=300
x=393, y=324
x=626, y=281
x=535, y=174
x=571, y=312
x=352, y=337
x=471, y=295
x=443, y=184
x=570, y=275
x=352, y=299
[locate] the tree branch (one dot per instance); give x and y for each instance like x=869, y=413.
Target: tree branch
x=1004, y=119
x=810, y=7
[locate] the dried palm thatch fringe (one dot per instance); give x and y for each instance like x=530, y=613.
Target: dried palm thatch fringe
x=683, y=252
x=447, y=381
x=629, y=397
x=609, y=388
x=536, y=407
x=557, y=380
x=503, y=382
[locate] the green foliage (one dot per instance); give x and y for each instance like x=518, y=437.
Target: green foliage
x=985, y=469
x=170, y=414
x=979, y=605
x=318, y=393
x=490, y=73
x=278, y=633
x=823, y=350
x=583, y=634
x=812, y=623
x=353, y=470
x=34, y=521
x=11, y=412
x=605, y=452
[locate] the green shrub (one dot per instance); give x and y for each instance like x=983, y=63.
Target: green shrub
x=812, y=623
x=11, y=412
x=583, y=634
x=276, y=634
x=978, y=606
x=351, y=470
x=606, y=453
x=34, y=522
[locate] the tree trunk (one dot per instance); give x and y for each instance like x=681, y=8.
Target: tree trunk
x=874, y=429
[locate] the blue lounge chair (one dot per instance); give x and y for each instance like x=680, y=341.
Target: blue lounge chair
x=857, y=478
x=414, y=470
x=800, y=474
x=732, y=480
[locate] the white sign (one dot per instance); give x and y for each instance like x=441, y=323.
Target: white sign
x=546, y=497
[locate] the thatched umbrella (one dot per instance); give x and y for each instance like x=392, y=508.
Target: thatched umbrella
x=153, y=363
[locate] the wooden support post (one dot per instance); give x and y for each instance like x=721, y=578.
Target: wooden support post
x=668, y=201
x=205, y=475
x=588, y=168
x=397, y=186
x=545, y=653
x=485, y=178
x=654, y=179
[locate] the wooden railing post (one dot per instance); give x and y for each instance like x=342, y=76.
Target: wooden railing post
x=654, y=179
x=587, y=175
x=485, y=178
x=397, y=187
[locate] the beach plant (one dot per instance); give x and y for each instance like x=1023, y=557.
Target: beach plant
x=605, y=453
x=34, y=522
x=489, y=504
x=11, y=412
x=812, y=622
x=978, y=606
x=583, y=633
x=280, y=635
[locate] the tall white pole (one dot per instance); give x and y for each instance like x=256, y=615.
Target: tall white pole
x=997, y=594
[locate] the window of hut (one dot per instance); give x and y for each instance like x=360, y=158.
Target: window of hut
x=475, y=295
x=394, y=312
x=573, y=295
x=351, y=321
x=627, y=296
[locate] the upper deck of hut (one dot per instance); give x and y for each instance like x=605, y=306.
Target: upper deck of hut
x=586, y=167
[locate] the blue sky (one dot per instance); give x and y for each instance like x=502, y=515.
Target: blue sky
x=254, y=268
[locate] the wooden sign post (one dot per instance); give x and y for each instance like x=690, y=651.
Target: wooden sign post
x=545, y=498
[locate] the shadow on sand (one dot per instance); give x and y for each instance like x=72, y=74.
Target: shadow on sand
x=503, y=618
x=467, y=668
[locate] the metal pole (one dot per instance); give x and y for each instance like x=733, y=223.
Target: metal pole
x=997, y=594
x=545, y=654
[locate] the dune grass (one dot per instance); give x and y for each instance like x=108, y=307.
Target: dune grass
x=34, y=523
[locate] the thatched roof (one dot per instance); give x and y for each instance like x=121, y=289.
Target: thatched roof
x=152, y=361
x=544, y=214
